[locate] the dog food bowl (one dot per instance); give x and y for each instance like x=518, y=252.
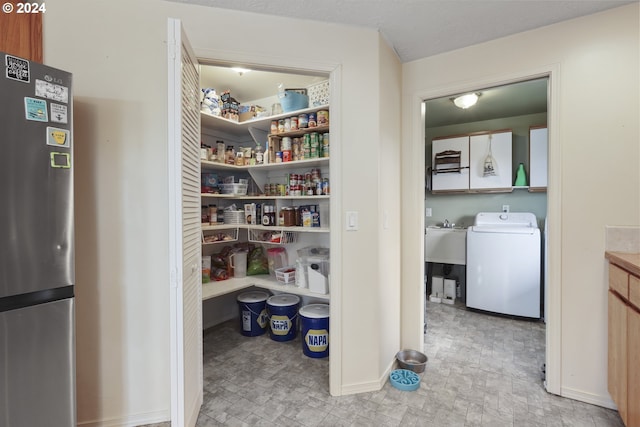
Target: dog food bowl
x=412, y=360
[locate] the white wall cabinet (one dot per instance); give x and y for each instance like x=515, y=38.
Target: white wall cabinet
x=453, y=175
x=466, y=172
x=500, y=146
x=538, y=155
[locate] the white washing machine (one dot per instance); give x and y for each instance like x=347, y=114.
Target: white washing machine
x=503, y=264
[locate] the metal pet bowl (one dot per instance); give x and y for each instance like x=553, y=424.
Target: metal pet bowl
x=412, y=360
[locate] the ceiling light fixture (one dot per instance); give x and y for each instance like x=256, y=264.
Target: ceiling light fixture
x=240, y=70
x=466, y=101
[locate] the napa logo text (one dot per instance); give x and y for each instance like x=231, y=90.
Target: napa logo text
x=280, y=325
x=317, y=340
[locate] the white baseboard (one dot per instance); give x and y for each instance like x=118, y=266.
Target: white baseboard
x=593, y=399
x=371, y=385
x=130, y=421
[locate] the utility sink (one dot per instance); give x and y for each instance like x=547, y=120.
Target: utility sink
x=445, y=245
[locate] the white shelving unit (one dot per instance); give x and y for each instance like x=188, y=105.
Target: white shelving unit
x=259, y=129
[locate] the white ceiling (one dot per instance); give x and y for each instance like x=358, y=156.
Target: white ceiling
x=416, y=29
x=421, y=28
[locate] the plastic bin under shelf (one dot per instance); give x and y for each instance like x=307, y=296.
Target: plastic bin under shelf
x=273, y=237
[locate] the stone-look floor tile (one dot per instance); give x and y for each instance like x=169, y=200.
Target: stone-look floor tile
x=483, y=370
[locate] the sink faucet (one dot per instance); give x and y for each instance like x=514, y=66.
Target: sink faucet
x=446, y=224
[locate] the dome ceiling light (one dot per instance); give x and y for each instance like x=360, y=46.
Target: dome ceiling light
x=466, y=101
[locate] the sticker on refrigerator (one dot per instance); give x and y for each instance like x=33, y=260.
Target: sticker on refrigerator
x=52, y=91
x=35, y=109
x=58, y=113
x=17, y=68
x=60, y=160
x=58, y=137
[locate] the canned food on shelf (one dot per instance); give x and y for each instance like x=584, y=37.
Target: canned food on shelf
x=323, y=118
x=303, y=121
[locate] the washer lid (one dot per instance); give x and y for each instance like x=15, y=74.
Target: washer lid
x=504, y=229
x=509, y=219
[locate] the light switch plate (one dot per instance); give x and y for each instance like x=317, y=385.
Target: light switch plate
x=351, y=221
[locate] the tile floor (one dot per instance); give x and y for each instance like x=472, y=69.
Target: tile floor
x=483, y=370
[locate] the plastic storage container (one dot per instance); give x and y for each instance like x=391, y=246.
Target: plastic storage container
x=277, y=258
x=318, y=274
x=314, y=321
x=253, y=313
x=292, y=101
x=283, y=316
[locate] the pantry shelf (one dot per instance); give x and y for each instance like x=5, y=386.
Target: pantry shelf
x=223, y=287
x=262, y=197
x=306, y=163
x=263, y=123
x=207, y=227
x=300, y=132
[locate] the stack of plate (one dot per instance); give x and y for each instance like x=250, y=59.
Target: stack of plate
x=234, y=217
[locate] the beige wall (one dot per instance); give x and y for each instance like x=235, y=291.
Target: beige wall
x=117, y=57
x=594, y=149
x=117, y=52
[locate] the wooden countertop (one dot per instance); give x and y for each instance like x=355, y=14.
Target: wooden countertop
x=627, y=261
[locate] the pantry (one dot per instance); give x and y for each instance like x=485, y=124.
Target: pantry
x=265, y=187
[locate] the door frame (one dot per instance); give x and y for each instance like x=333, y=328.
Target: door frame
x=292, y=64
x=413, y=179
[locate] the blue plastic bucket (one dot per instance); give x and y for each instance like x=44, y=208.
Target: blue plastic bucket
x=283, y=316
x=314, y=319
x=253, y=313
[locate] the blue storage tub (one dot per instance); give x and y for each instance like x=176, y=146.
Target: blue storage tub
x=292, y=101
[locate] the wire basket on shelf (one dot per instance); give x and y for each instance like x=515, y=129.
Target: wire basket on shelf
x=274, y=237
x=221, y=236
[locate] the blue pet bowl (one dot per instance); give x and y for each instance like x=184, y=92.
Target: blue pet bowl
x=405, y=380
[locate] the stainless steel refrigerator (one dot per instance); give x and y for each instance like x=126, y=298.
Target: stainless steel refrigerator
x=37, y=341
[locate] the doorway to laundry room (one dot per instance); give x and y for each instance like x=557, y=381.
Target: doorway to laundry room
x=486, y=152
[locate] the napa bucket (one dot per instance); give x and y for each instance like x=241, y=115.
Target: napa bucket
x=314, y=321
x=253, y=313
x=283, y=316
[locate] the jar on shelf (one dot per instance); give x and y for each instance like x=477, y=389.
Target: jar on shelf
x=289, y=217
x=259, y=154
x=240, y=158
x=229, y=155
x=213, y=214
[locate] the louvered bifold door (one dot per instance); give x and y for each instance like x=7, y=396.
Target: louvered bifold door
x=188, y=304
